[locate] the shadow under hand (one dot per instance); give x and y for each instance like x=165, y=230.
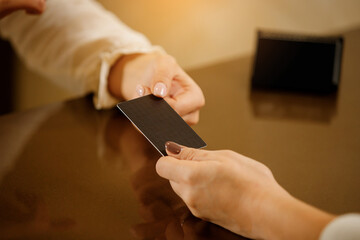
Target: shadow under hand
x=164, y=214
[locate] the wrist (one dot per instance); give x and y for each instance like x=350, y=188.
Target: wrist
x=286, y=217
x=115, y=78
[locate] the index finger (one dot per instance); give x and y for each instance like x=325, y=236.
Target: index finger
x=174, y=169
x=189, y=100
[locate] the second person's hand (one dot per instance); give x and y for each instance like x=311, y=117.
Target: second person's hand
x=238, y=193
x=223, y=187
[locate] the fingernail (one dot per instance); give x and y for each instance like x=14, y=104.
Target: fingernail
x=172, y=147
x=140, y=90
x=160, y=89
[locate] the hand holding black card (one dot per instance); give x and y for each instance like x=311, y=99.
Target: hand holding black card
x=159, y=123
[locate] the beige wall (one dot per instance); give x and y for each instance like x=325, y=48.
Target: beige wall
x=200, y=32
x=197, y=32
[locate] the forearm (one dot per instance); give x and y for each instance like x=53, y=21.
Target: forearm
x=286, y=217
x=116, y=74
x=73, y=43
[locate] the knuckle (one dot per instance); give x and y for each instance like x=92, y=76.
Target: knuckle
x=197, y=213
x=207, y=154
x=189, y=154
x=190, y=200
x=267, y=171
x=228, y=153
x=194, y=205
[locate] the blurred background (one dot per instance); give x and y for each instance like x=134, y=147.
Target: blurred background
x=196, y=32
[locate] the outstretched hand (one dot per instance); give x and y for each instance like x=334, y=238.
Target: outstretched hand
x=223, y=187
x=238, y=193
x=140, y=74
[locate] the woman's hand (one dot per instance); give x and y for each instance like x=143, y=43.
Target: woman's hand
x=30, y=6
x=223, y=187
x=239, y=194
x=140, y=74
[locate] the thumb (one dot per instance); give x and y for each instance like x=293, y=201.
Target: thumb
x=161, y=83
x=184, y=153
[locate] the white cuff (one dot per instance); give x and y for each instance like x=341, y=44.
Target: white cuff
x=345, y=227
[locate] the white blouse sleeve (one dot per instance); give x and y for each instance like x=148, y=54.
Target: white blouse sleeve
x=74, y=43
x=345, y=227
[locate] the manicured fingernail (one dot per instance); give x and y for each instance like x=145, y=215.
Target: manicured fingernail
x=140, y=90
x=160, y=89
x=172, y=147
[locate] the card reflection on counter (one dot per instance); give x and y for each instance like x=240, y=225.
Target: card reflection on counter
x=296, y=77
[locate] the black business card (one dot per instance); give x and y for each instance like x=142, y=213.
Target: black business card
x=159, y=123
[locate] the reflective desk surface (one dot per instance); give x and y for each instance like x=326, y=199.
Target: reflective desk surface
x=68, y=171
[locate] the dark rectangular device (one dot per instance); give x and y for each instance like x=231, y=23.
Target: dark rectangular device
x=159, y=123
x=299, y=63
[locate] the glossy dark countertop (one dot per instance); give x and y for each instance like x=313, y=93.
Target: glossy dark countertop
x=68, y=171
